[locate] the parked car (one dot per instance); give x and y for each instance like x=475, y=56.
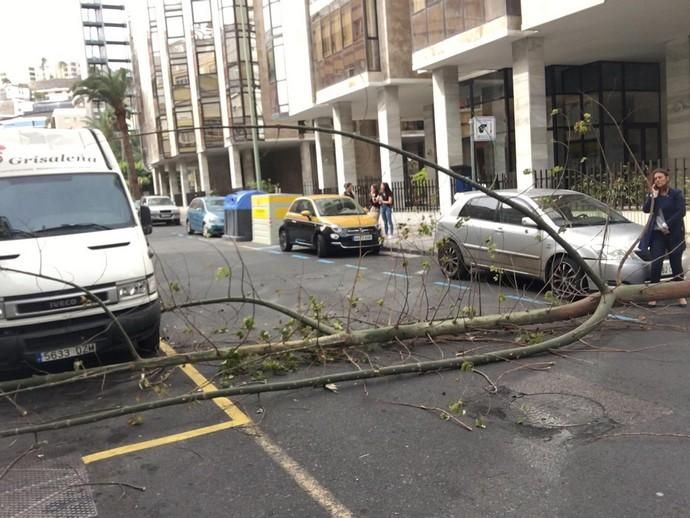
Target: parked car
x=206, y=215
x=326, y=222
x=163, y=209
x=478, y=232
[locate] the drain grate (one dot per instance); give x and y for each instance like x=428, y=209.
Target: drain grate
x=555, y=410
x=46, y=489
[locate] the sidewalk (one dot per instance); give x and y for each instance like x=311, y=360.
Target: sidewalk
x=411, y=239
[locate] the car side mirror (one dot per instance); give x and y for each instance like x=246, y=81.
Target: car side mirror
x=306, y=213
x=145, y=219
x=528, y=222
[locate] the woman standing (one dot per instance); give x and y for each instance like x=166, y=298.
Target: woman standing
x=665, y=233
x=374, y=203
x=386, y=202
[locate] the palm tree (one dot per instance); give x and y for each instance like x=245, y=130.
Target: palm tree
x=112, y=88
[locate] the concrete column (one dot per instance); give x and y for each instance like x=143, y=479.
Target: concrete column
x=325, y=158
x=346, y=169
x=529, y=92
x=155, y=182
x=429, y=139
x=248, y=174
x=184, y=183
x=678, y=98
x=305, y=153
x=172, y=182
x=389, y=133
x=204, y=173
x=235, y=168
x=368, y=157
x=446, y=92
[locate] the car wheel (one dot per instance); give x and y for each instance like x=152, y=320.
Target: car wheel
x=450, y=259
x=321, y=246
x=566, y=278
x=284, y=240
x=190, y=231
x=150, y=345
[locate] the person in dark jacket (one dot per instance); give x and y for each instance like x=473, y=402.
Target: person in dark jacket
x=349, y=192
x=665, y=232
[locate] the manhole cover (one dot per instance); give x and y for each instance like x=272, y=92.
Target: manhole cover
x=46, y=489
x=551, y=410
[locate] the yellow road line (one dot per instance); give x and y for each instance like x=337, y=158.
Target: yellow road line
x=153, y=443
x=205, y=385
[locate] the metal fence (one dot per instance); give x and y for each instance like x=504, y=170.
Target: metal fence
x=621, y=185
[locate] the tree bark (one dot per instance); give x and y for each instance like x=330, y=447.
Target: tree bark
x=132, y=179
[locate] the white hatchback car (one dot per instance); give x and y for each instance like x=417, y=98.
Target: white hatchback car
x=478, y=232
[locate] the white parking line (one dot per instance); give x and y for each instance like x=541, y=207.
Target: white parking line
x=399, y=254
x=325, y=261
x=450, y=284
x=393, y=274
x=297, y=256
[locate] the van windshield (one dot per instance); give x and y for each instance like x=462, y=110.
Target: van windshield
x=58, y=204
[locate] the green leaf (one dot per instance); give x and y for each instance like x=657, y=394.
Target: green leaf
x=479, y=422
x=248, y=323
x=456, y=406
x=223, y=272
x=466, y=366
x=174, y=286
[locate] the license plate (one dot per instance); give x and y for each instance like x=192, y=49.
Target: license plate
x=363, y=237
x=666, y=268
x=67, y=352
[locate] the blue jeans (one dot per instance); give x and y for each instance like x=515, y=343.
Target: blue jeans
x=660, y=246
x=387, y=215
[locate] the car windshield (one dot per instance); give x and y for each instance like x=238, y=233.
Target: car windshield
x=338, y=207
x=159, y=201
x=215, y=204
x=578, y=210
x=58, y=204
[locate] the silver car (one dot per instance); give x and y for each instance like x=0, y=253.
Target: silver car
x=162, y=208
x=480, y=232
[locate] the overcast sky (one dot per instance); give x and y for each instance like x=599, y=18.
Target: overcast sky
x=32, y=29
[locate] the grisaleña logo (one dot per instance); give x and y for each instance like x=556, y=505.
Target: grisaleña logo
x=46, y=159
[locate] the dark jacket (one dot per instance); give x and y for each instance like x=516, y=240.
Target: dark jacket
x=673, y=208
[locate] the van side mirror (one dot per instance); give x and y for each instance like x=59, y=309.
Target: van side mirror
x=528, y=222
x=145, y=219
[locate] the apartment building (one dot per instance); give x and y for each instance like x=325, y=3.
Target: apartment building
x=383, y=67
x=204, y=76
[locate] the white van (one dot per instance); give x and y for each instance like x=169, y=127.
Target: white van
x=66, y=214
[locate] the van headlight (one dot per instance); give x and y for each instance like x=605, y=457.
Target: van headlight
x=2, y=311
x=132, y=289
x=151, y=284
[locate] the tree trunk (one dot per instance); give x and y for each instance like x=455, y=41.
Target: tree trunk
x=132, y=179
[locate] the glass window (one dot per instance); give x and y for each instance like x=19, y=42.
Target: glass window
x=510, y=215
x=318, y=42
x=483, y=207
x=642, y=106
x=208, y=84
x=418, y=5
x=201, y=11
x=336, y=31
x=435, y=25
x=346, y=20
x=175, y=26
x=326, y=37
x=577, y=210
x=641, y=76
x=206, y=62
x=372, y=28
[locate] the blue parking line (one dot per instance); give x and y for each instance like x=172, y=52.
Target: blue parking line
x=526, y=299
x=447, y=284
x=393, y=274
x=356, y=267
x=614, y=316
x=325, y=261
x=297, y=256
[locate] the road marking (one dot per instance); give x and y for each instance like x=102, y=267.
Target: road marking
x=319, y=493
x=276, y=252
x=205, y=385
x=624, y=318
x=356, y=267
x=325, y=261
x=420, y=272
x=160, y=441
x=393, y=274
x=297, y=256
x=527, y=299
x=451, y=285
x=398, y=254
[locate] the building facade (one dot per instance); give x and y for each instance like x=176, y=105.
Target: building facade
x=205, y=77
x=413, y=73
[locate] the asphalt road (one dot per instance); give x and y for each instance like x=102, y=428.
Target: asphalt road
x=601, y=429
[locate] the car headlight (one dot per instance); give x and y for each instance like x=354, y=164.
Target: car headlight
x=210, y=218
x=2, y=311
x=151, y=284
x=132, y=289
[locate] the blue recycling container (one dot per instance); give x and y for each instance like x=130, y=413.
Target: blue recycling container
x=238, y=215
